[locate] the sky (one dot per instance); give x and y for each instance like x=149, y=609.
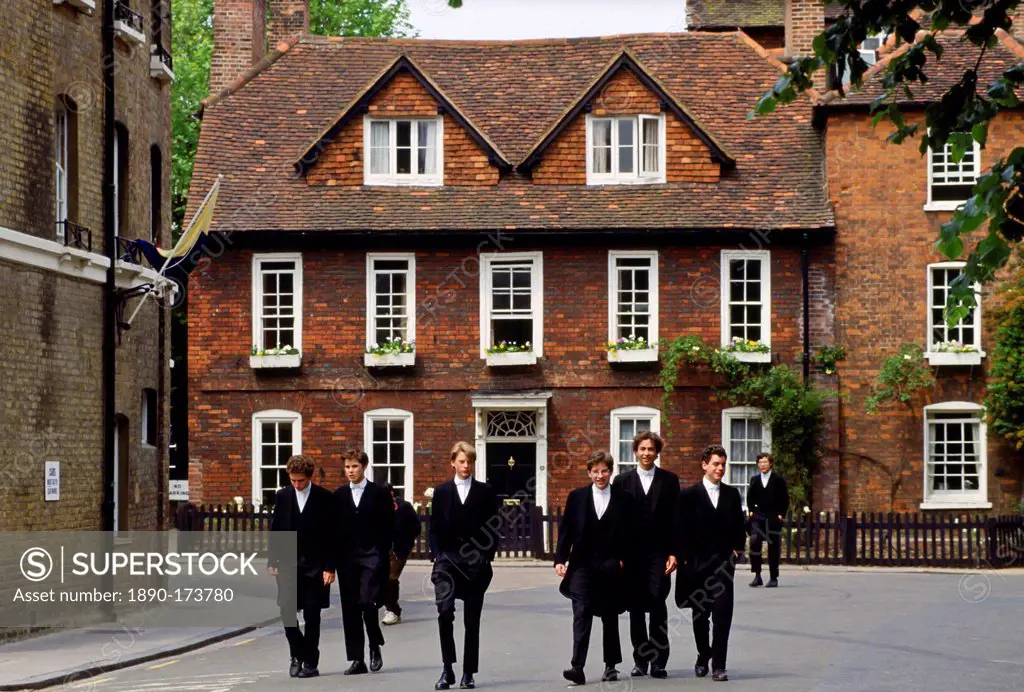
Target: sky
x=517, y=19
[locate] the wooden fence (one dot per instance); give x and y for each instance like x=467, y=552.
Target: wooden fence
x=867, y=539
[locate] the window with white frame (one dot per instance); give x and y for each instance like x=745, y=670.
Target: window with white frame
x=966, y=332
x=390, y=298
x=950, y=183
x=276, y=436
x=388, y=437
x=61, y=159
x=633, y=295
x=955, y=454
x=277, y=300
x=746, y=295
x=745, y=434
x=512, y=300
x=403, y=151
x=628, y=149
x=626, y=423
x=149, y=416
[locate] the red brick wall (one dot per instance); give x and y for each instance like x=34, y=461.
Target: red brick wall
x=805, y=19
x=239, y=40
x=884, y=242
x=342, y=161
x=687, y=158
x=286, y=19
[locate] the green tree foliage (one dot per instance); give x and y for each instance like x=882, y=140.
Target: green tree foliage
x=1005, y=399
x=961, y=115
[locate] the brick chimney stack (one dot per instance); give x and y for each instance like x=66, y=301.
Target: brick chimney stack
x=805, y=19
x=1017, y=28
x=286, y=19
x=239, y=40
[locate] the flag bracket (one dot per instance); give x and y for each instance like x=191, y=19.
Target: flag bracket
x=122, y=296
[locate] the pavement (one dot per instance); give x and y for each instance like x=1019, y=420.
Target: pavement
x=823, y=630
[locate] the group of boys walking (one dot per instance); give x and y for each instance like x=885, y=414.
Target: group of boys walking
x=618, y=545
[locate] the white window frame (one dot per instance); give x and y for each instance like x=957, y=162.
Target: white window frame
x=637, y=176
x=391, y=414
x=977, y=499
x=371, y=293
x=270, y=416
x=766, y=292
x=631, y=413
x=730, y=414
x=613, y=291
x=487, y=261
x=116, y=185
x=144, y=429
x=61, y=154
x=257, y=294
x=967, y=356
x=394, y=178
x=949, y=205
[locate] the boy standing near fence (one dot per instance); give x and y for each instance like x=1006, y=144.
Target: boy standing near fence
x=767, y=502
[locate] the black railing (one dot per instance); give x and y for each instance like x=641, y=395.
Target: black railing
x=124, y=13
x=128, y=251
x=163, y=55
x=75, y=235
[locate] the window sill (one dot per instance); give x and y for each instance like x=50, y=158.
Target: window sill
x=944, y=206
x=389, y=360
x=625, y=181
x=751, y=356
x=642, y=355
x=263, y=362
x=395, y=182
x=86, y=6
x=956, y=504
x=508, y=359
x=127, y=34
x=966, y=358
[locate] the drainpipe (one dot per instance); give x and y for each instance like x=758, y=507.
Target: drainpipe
x=805, y=277
x=110, y=243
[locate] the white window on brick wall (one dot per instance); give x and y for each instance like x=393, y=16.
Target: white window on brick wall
x=627, y=149
x=149, y=416
x=390, y=297
x=949, y=182
x=626, y=423
x=967, y=331
x=277, y=300
x=62, y=160
x=403, y=151
x=633, y=295
x=276, y=436
x=388, y=438
x=955, y=456
x=746, y=296
x=512, y=300
x=745, y=434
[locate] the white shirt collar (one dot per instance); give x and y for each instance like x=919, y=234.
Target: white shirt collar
x=711, y=487
x=305, y=491
x=649, y=474
x=766, y=476
x=359, y=486
x=607, y=489
x=464, y=483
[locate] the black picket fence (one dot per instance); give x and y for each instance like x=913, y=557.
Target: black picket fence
x=865, y=539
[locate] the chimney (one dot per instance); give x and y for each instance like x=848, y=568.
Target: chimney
x=239, y=40
x=805, y=19
x=287, y=19
x=1017, y=28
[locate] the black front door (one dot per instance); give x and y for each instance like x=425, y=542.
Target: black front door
x=512, y=471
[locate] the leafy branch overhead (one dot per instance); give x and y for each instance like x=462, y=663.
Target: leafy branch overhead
x=960, y=117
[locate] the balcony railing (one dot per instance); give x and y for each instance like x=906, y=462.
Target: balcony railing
x=75, y=235
x=128, y=22
x=160, y=64
x=128, y=251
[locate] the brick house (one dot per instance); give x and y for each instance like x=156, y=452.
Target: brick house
x=53, y=262
x=562, y=192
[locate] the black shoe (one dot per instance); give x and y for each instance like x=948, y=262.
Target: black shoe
x=772, y=583
x=575, y=675
x=307, y=671
x=700, y=668
x=294, y=668
x=719, y=675
x=467, y=682
x=446, y=680
x=357, y=668
x=757, y=580
x=658, y=673
x=376, y=662
x=610, y=674
x=638, y=671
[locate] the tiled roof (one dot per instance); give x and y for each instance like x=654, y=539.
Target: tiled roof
x=514, y=92
x=730, y=14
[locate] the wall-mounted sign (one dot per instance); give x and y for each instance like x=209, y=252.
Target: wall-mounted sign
x=52, y=481
x=179, y=491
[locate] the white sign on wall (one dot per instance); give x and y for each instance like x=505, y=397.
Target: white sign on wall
x=178, y=491
x=52, y=481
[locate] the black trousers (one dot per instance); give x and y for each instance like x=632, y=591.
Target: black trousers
x=304, y=647
x=390, y=592
x=582, y=624
x=467, y=583
x=713, y=605
x=650, y=586
x=360, y=589
x=762, y=529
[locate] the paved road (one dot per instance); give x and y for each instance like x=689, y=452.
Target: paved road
x=822, y=631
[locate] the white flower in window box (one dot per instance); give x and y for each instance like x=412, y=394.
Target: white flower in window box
x=281, y=357
x=954, y=353
x=391, y=354
x=748, y=350
x=506, y=353
x=632, y=349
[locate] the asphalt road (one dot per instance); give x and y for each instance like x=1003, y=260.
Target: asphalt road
x=821, y=631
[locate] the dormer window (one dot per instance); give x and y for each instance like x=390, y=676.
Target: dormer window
x=403, y=151
x=624, y=150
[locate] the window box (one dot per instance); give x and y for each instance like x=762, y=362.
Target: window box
x=962, y=358
x=635, y=355
x=160, y=63
x=512, y=304
x=752, y=356
x=286, y=361
x=390, y=307
x=389, y=360
x=86, y=6
x=961, y=343
x=513, y=358
x=746, y=304
x=276, y=305
x=128, y=24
